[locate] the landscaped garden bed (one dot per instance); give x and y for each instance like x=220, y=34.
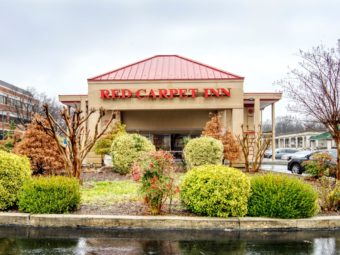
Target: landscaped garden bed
x=105, y=192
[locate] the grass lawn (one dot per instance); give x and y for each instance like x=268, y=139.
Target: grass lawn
x=109, y=192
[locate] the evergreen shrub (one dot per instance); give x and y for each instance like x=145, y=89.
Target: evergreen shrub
x=126, y=149
x=54, y=194
x=281, y=196
x=334, y=197
x=203, y=151
x=14, y=171
x=215, y=191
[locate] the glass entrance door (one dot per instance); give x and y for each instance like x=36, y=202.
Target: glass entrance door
x=162, y=142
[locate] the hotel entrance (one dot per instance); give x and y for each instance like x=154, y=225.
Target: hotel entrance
x=171, y=142
x=166, y=129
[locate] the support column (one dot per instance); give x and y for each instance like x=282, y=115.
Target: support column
x=304, y=142
x=223, y=119
x=329, y=144
x=289, y=142
x=118, y=116
x=237, y=121
x=308, y=143
x=257, y=114
x=296, y=142
x=273, y=132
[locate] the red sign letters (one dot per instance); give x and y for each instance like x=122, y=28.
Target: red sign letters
x=163, y=93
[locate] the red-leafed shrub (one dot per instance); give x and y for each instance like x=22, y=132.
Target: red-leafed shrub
x=155, y=172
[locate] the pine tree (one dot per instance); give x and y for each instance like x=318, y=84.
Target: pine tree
x=213, y=128
x=41, y=149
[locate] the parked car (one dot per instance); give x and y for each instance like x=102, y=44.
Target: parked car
x=298, y=154
x=279, y=152
x=295, y=165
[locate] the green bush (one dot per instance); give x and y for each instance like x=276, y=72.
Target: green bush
x=14, y=171
x=103, y=144
x=280, y=196
x=126, y=149
x=203, y=151
x=325, y=186
x=320, y=165
x=55, y=194
x=334, y=197
x=215, y=191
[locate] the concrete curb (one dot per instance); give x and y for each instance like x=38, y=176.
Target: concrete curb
x=166, y=222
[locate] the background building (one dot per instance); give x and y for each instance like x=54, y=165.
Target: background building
x=16, y=105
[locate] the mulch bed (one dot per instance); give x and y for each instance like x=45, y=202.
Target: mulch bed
x=102, y=174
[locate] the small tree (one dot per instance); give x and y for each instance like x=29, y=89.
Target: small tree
x=40, y=148
x=314, y=89
x=213, y=128
x=103, y=144
x=231, y=147
x=79, y=140
x=253, y=147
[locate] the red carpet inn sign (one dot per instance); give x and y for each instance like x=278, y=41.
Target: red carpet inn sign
x=162, y=93
x=169, y=97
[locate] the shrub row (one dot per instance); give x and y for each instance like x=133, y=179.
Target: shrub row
x=223, y=191
x=14, y=171
x=34, y=195
x=128, y=148
x=54, y=194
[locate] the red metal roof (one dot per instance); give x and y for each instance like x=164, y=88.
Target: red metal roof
x=166, y=67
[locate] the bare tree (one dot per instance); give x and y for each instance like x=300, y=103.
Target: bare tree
x=28, y=105
x=314, y=89
x=291, y=124
x=79, y=140
x=253, y=147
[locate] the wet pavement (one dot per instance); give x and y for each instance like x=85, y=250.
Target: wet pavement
x=22, y=241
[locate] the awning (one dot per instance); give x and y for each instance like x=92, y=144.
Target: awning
x=323, y=136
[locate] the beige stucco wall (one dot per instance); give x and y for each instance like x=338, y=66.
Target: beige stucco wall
x=165, y=120
x=194, y=112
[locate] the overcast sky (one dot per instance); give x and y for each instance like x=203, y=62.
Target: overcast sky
x=55, y=45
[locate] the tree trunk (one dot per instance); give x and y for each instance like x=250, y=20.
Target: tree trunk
x=76, y=162
x=337, y=142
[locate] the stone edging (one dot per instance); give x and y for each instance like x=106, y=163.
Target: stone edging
x=166, y=222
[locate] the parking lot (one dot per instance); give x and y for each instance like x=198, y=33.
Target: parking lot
x=275, y=166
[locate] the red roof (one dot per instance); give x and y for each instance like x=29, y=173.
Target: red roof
x=166, y=67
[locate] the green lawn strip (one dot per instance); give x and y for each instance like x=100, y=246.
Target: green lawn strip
x=108, y=192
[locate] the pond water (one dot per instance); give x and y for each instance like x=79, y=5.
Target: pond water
x=15, y=241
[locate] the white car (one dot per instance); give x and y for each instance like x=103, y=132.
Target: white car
x=299, y=154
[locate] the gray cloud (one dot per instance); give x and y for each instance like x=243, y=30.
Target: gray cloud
x=56, y=45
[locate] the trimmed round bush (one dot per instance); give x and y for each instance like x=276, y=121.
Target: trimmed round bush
x=14, y=171
x=203, y=151
x=281, y=196
x=216, y=191
x=54, y=194
x=126, y=149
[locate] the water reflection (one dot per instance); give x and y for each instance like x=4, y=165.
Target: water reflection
x=15, y=241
